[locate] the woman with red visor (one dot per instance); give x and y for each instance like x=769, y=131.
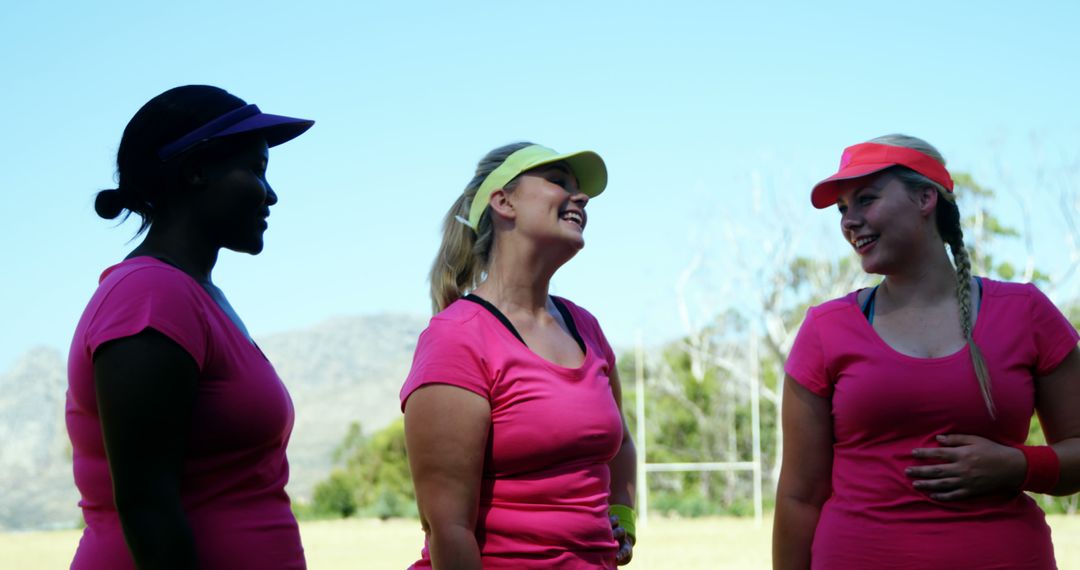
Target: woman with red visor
x=906, y=406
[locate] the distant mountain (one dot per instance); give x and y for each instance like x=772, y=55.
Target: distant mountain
x=340, y=371
x=36, y=488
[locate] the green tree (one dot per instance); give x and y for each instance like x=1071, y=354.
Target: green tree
x=336, y=496
x=982, y=229
x=372, y=478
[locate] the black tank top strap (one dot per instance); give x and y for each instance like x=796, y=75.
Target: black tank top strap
x=498, y=314
x=569, y=320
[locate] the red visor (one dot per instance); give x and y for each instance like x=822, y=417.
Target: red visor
x=867, y=158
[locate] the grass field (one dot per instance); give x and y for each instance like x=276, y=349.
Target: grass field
x=687, y=544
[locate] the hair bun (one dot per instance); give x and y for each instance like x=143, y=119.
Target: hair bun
x=109, y=203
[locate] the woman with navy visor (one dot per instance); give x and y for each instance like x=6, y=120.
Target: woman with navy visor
x=178, y=423
x=906, y=406
x=518, y=449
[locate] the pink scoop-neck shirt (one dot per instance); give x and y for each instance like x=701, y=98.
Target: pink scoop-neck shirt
x=235, y=470
x=545, y=481
x=885, y=404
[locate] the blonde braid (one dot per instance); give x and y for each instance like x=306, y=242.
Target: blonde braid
x=947, y=219
x=963, y=295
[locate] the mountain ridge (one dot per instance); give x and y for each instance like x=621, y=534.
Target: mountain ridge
x=342, y=370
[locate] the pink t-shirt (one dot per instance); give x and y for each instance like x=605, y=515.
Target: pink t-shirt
x=233, y=486
x=885, y=404
x=545, y=483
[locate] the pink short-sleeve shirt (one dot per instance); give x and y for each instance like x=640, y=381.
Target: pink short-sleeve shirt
x=885, y=404
x=235, y=470
x=545, y=481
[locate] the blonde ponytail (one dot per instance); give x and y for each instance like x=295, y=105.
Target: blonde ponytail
x=462, y=260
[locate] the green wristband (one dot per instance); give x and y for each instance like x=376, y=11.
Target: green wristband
x=626, y=519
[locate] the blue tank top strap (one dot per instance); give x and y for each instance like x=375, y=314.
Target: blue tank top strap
x=868, y=305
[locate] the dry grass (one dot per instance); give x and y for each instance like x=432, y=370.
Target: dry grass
x=336, y=545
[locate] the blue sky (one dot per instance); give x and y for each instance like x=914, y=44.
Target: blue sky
x=713, y=117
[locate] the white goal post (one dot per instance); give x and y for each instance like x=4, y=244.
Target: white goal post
x=644, y=468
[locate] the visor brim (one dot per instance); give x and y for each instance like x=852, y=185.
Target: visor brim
x=587, y=166
x=826, y=192
x=275, y=129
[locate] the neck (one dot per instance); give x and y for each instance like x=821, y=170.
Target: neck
x=187, y=250
x=518, y=277
x=931, y=279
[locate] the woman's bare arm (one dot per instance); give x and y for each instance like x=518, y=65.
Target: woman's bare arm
x=623, y=469
x=145, y=388
x=446, y=433
x=805, y=475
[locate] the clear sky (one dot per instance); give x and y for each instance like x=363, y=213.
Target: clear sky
x=714, y=118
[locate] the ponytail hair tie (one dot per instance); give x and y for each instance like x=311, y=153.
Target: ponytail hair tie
x=462, y=220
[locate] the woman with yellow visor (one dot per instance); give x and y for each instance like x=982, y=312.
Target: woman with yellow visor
x=518, y=448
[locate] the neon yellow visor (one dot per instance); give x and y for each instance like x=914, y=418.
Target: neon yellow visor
x=587, y=166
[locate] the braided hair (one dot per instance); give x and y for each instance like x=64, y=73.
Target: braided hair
x=947, y=219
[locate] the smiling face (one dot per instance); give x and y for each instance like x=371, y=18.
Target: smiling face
x=884, y=222
x=550, y=206
x=236, y=199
